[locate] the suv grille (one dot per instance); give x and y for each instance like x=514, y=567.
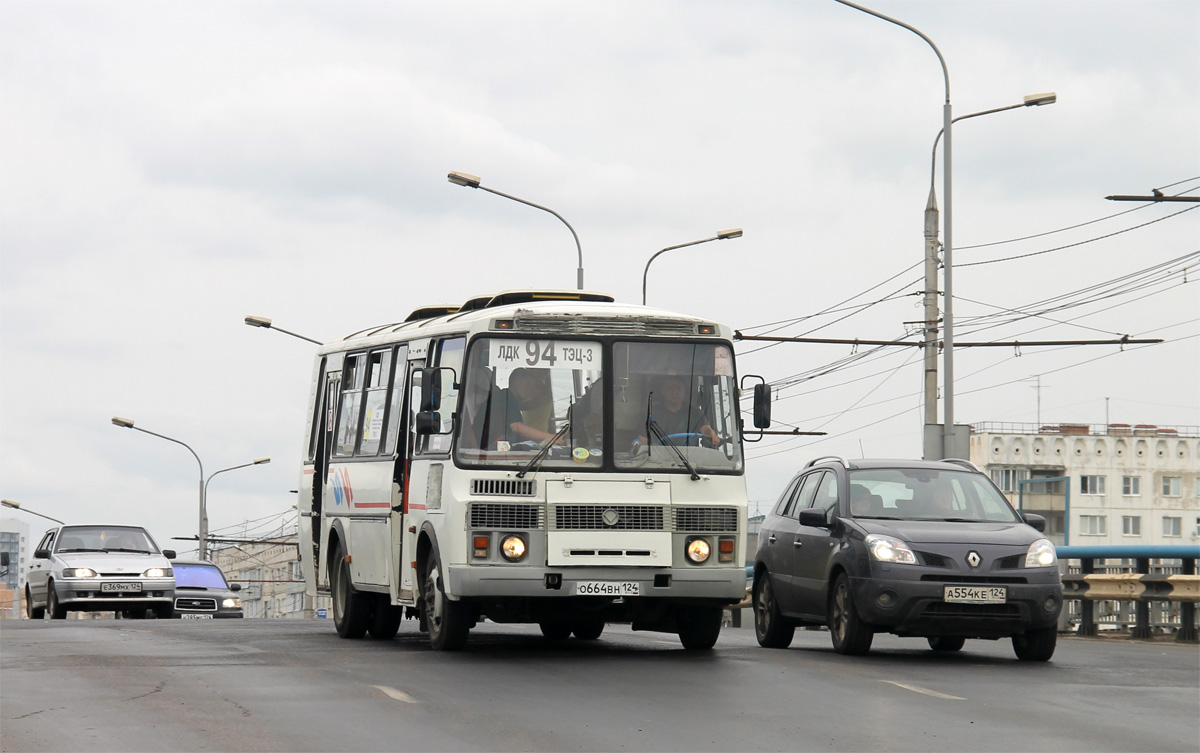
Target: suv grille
x=506, y=516
x=624, y=517
x=932, y=560
x=197, y=605
x=707, y=519
x=943, y=609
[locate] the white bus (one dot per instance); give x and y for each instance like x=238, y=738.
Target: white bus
x=525, y=458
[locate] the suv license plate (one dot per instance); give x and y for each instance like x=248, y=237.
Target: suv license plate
x=124, y=588
x=975, y=594
x=196, y=616
x=606, y=588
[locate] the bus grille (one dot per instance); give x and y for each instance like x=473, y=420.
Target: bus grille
x=505, y=516
x=603, y=325
x=708, y=519
x=503, y=487
x=623, y=517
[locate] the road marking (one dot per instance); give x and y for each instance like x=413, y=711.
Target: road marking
x=398, y=695
x=924, y=691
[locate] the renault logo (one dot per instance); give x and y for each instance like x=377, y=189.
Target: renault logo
x=973, y=559
x=610, y=517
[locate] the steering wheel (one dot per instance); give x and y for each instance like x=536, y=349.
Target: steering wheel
x=528, y=445
x=688, y=435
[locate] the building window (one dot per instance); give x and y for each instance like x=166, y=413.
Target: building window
x=1131, y=486
x=1009, y=479
x=1091, y=484
x=1172, y=526
x=1093, y=525
x=1172, y=486
x=1131, y=525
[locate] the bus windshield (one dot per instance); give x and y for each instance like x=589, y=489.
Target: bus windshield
x=672, y=406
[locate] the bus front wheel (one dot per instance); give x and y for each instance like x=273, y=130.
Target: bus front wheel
x=448, y=621
x=699, y=627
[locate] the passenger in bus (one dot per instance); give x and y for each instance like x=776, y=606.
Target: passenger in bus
x=530, y=406
x=675, y=414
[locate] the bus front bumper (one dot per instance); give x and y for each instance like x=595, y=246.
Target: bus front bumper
x=488, y=581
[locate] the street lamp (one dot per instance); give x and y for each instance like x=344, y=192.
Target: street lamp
x=934, y=449
x=720, y=236
x=127, y=423
x=473, y=181
x=17, y=506
x=265, y=323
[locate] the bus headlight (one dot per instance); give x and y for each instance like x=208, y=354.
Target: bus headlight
x=513, y=548
x=698, y=550
x=1041, y=554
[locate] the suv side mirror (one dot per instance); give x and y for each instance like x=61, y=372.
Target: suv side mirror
x=1035, y=521
x=814, y=517
x=235, y=586
x=169, y=553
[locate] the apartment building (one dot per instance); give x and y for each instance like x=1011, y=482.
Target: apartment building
x=1101, y=484
x=271, y=580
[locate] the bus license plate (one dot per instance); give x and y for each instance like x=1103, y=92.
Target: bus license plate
x=975, y=594
x=606, y=588
x=124, y=588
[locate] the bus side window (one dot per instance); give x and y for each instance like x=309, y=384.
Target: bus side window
x=379, y=366
x=348, y=417
x=397, y=401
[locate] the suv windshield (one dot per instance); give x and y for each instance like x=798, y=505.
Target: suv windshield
x=927, y=494
x=672, y=406
x=199, y=576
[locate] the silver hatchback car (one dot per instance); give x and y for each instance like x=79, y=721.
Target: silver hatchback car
x=99, y=568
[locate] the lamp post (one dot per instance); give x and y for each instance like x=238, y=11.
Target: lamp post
x=204, y=496
x=17, y=506
x=948, y=449
x=934, y=449
x=720, y=236
x=473, y=181
x=265, y=323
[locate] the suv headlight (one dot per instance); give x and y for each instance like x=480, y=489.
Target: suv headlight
x=1041, y=554
x=890, y=549
x=78, y=572
x=159, y=572
x=231, y=603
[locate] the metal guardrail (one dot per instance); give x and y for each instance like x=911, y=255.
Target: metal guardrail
x=1172, y=592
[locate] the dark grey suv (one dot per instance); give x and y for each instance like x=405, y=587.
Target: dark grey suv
x=916, y=548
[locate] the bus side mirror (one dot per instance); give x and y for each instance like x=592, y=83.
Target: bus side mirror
x=762, y=406
x=431, y=390
x=3, y=559
x=428, y=422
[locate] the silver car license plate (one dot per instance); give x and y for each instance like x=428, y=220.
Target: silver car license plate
x=975, y=594
x=122, y=588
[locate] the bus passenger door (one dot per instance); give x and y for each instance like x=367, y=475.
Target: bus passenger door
x=399, y=446
x=322, y=490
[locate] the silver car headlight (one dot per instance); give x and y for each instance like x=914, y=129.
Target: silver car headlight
x=231, y=603
x=889, y=549
x=1041, y=554
x=78, y=572
x=159, y=572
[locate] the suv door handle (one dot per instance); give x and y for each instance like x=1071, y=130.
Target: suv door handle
x=797, y=543
x=771, y=538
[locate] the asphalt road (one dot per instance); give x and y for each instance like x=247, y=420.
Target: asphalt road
x=284, y=685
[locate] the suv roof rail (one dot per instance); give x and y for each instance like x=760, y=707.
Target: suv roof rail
x=838, y=458
x=963, y=462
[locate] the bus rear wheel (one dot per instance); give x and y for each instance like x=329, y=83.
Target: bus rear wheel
x=449, y=621
x=351, y=610
x=385, y=622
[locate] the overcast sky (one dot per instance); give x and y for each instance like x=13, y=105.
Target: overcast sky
x=167, y=168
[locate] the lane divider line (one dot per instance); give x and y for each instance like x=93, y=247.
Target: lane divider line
x=924, y=691
x=398, y=695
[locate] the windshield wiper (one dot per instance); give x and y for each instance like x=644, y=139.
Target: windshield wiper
x=80, y=549
x=122, y=549
x=654, y=429
x=536, y=461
